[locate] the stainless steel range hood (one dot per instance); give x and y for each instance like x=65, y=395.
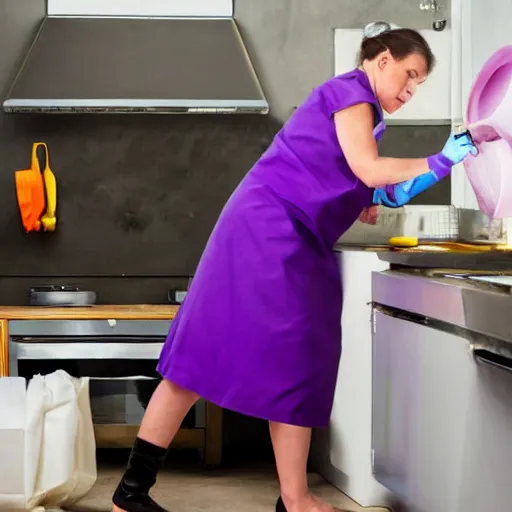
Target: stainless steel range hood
x=137, y=65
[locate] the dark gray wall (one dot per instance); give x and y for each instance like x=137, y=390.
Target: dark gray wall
x=139, y=195
x=418, y=142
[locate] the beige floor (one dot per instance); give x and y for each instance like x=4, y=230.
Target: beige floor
x=188, y=490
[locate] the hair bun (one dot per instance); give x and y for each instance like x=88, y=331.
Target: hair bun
x=376, y=28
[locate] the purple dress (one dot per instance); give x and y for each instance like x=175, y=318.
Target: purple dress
x=260, y=330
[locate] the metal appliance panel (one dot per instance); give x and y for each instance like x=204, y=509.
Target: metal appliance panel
x=137, y=65
x=67, y=328
x=88, y=350
x=478, y=307
x=442, y=407
x=422, y=381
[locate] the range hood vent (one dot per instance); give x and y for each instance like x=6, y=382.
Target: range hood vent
x=137, y=65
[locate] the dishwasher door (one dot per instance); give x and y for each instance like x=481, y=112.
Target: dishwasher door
x=421, y=381
x=442, y=420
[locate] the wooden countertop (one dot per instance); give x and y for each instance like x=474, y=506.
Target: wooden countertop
x=124, y=312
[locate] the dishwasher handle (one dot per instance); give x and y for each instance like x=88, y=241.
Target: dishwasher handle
x=490, y=358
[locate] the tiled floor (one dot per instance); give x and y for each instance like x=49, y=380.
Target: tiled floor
x=189, y=490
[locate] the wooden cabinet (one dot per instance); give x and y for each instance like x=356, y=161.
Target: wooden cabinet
x=206, y=8
x=432, y=102
x=4, y=348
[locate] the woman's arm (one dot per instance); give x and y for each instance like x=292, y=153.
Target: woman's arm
x=354, y=129
x=369, y=215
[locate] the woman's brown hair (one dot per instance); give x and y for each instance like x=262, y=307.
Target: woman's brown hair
x=401, y=43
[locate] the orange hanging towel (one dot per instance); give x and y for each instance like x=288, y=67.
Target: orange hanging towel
x=36, y=189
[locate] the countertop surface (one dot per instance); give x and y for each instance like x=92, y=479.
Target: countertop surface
x=432, y=248
x=124, y=312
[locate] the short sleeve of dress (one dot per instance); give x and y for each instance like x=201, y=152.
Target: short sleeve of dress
x=346, y=90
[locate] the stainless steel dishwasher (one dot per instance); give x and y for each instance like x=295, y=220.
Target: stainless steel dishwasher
x=120, y=357
x=442, y=391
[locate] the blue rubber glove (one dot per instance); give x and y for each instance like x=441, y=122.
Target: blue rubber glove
x=456, y=149
x=394, y=196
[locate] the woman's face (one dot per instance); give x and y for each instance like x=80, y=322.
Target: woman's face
x=396, y=80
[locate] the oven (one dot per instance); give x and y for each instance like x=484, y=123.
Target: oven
x=120, y=358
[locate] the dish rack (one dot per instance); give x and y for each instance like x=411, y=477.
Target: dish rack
x=432, y=222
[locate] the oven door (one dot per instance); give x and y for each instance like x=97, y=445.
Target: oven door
x=122, y=374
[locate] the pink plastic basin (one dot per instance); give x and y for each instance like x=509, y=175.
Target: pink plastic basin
x=489, y=119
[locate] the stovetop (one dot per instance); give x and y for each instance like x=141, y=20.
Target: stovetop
x=61, y=296
x=54, y=288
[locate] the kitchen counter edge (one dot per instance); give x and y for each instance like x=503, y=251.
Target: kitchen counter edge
x=103, y=312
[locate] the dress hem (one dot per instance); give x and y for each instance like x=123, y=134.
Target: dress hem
x=185, y=384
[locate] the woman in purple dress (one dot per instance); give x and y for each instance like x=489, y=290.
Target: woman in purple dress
x=259, y=332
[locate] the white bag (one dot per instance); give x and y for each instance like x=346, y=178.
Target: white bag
x=12, y=441
x=51, y=438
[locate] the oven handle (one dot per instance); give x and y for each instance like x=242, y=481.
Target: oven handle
x=490, y=358
x=128, y=377
x=80, y=350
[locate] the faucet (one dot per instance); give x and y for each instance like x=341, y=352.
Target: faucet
x=439, y=22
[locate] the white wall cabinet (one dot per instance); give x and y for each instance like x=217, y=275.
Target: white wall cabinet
x=432, y=102
x=179, y=8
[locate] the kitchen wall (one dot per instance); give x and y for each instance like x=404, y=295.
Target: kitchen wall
x=138, y=195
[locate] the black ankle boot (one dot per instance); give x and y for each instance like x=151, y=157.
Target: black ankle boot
x=135, y=501
x=132, y=493
x=280, y=505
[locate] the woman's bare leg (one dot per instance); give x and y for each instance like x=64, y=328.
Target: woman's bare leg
x=166, y=410
x=291, y=449
x=165, y=413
